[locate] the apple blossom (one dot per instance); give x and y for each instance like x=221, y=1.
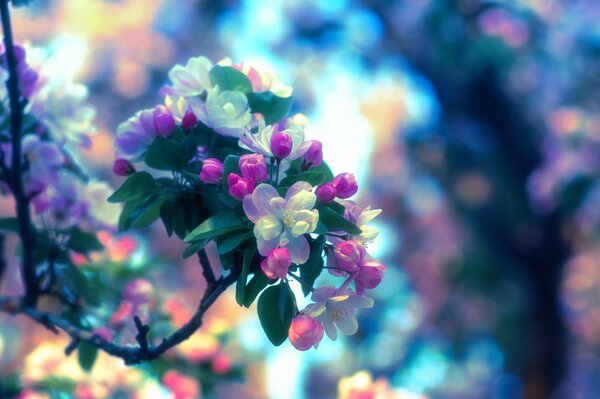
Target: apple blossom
x=282, y=222
x=190, y=80
x=325, y=193
x=314, y=155
x=345, y=185
x=135, y=135
x=370, y=274
x=189, y=120
x=281, y=144
x=239, y=186
x=164, y=123
x=260, y=142
x=360, y=217
x=336, y=310
x=348, y=255
x=253, y=166
x=122, y=167
x=226, y=112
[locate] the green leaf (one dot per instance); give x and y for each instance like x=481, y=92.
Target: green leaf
x=314, y=265
x=240, y=287
x=232, y=241
x=86, y=354
x=324, y=169
x=276, y=309
x=254, y=287
x=79, y=283
x=336, y=206
x=272, y=107
x=228, y=78
x=83, y=242
x=336, y=222
x=195, y=247
x=166, y=154
x=137, y=186
x=314, y=178
x=9, y=224
x=217, y=225
x=148, y=213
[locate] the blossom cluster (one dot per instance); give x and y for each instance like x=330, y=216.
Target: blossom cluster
x=245, y=176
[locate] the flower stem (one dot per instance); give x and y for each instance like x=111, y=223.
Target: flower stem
x=304, y=283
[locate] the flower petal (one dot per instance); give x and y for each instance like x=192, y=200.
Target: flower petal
x=258, y=204
x=268, y=228
x=299, y=249
x=348, y=325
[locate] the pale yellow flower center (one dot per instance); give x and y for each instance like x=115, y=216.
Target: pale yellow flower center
x=338, y=314
x=288, y=219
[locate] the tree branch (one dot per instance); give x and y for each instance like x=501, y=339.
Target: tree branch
x=207, y=270
x=17, y=103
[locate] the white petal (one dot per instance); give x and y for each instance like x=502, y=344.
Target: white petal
x=296, y=188
x=258, y=204
x=299, y=249
x=268, y=227
x=264, y=246
x=301, y=201
x=347, y=325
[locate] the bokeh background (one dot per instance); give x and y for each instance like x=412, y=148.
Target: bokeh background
x=473, y=124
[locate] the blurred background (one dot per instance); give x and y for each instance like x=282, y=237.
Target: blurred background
x=473, y=124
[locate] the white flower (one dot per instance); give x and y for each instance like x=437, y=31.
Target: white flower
x=192, y=79
x=282, y=222
x=260, y=142
x=335, y=310
x=226, y=111
x=60, y=105
x=360, y=217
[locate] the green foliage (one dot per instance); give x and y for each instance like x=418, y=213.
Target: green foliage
x=314, y=178
x=336, y=222
x=272, y=107
x=137, y=186
x=166, y=154
x=276, y=309
x=215, y=226
x=86, y=354
x=83, y=242
x=9, y=224
x=313, y=267
x=230, y=165
x=228, y=78
x=258, y=283
x=240, y=288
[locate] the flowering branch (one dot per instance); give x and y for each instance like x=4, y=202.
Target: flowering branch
x=131, y=355
x=17, y=104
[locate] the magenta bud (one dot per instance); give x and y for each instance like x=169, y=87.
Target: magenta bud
x=122, y=167
x=212, y=171
x=369, y=276
x=239, y=186
x=345, y=185
x=254, y=166
x=281, y=145
x=277, y=264
x=27, y=81
x=305, y=332
x=189, y=120
x=348, y=254
x=163, y=121
x=314, y=156
x=325, y=193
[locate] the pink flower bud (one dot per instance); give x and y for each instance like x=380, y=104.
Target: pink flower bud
x=305, y=332
x=278, y=262
x=253, y=166
x=281, y=145
x=239, y=186
x=19, y=53
x=27, y=81
x=325, y=193
x=138, y=291
x=181, y=385
x=122, y=167
x=314, y=156
x=189, y=120
x=345, y=185
x=212, y=171
x=348, y=254
x=369, y=276
x=163, y=121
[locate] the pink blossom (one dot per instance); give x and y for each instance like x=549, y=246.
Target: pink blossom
x=325, y=193
x=139, y=291
x=277, y=263
x=314, y=156
x=348, y=255
x=135, y=135
x=345, y=185
x=239, y=186
x=189, y=120
x=122, y=167
x=369, y=275
x=305, y=332
x=281, y=145
x=181, y=385
x=260, y=142
x=212, y=171
x=253, y=166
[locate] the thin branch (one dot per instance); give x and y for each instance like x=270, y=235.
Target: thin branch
x=130, y=354
x=207, y=270
x=2, y=260
x=17, y=103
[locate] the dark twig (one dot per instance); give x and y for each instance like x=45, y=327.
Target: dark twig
x=207, y=270
x=142, y=335
x=72, y=346
x=2, y=260
x=17, y=104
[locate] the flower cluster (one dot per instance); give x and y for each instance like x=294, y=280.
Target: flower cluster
x=57, y=123
x=246, y=177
